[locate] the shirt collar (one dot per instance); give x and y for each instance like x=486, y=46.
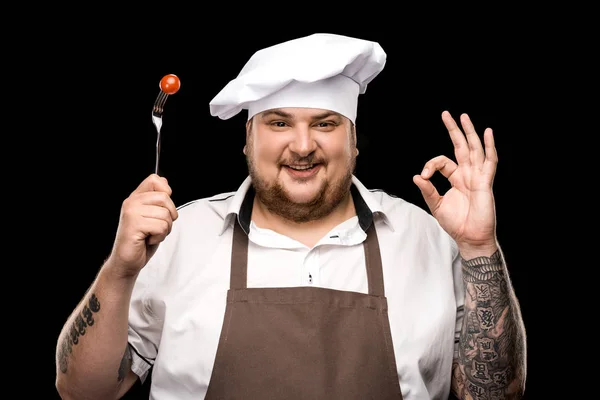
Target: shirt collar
x=365, y=203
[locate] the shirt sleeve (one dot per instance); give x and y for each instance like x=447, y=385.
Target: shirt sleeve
x=459, y=295
x=145, y=326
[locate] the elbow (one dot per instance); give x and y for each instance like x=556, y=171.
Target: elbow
x=67, y=391
x=63, y=389
x=516, y=392
x=516, y=388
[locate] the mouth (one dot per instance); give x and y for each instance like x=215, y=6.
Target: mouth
x=302, y=167
x=302, y=170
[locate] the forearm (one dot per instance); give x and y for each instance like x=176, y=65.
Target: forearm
x=492, y=353
x=92, y=355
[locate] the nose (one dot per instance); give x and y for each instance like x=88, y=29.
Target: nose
x=303, y=143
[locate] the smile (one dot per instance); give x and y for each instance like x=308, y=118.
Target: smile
x=304, y=171
x=301, y=167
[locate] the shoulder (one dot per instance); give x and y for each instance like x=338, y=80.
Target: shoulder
x=218, y=204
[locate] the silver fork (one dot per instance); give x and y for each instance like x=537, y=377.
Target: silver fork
x=157, y=113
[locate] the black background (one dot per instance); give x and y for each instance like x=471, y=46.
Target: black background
x=101, y=144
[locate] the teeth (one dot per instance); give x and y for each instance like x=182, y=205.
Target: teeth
x=301, y=167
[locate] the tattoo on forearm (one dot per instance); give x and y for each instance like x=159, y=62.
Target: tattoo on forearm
x=125, y=364
x=78, y=329
x=490, y=349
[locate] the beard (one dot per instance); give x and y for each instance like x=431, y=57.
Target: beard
x=275, y=198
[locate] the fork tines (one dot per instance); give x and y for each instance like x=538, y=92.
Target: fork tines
x=159, y=104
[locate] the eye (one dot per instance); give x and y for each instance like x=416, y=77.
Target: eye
x=327, y=125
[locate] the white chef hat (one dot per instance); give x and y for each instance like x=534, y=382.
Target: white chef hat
x=325, y=71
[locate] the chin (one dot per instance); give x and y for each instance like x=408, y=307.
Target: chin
x=302, y=195
x=304, y=190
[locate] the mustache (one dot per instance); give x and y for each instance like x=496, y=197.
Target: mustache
x=311, y=159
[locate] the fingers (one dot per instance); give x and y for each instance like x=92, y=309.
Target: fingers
x=467, y=147
x=461, y=147
x=149, y=215
x=151, y=205
x=155, y=229
x=440, y=163
x=491, y=156
x=155, y=190
x=150, y=210
x=157, y=208
x=475, y=147
x=430, y=194
x=154, y=183
x=428, y=191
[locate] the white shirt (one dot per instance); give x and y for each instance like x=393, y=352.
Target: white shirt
x=178, y=302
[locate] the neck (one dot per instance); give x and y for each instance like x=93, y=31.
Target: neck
x=307, y=233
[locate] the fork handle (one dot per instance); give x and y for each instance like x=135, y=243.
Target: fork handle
x=158, y=124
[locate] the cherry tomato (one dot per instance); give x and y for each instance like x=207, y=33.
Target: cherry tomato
x=170, y=84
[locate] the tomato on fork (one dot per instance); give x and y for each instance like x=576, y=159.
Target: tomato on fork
x=170, y=84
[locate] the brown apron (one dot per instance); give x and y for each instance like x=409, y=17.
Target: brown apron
x=304, y=342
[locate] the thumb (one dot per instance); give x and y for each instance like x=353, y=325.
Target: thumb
x=154, y=183
x=428, y=191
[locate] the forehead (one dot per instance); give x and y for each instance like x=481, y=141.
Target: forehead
x=300, y=113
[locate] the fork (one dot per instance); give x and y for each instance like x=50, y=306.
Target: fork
x=157, y=113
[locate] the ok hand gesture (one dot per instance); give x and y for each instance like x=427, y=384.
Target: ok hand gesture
x=466, y=211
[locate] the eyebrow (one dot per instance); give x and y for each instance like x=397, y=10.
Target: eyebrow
x=283, y=114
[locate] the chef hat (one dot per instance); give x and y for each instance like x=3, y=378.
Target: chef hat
x=318, y=71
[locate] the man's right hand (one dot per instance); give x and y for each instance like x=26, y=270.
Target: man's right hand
x=146, y=219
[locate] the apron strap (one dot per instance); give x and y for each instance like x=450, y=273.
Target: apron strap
x=373, y=261
x=239, y=260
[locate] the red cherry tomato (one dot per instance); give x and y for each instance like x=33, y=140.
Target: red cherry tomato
x=170, y=84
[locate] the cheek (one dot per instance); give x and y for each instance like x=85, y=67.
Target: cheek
x=339, y=151
x=347, y=151
x=267, y=151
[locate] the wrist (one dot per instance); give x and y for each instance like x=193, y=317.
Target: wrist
x=482, y=268
x=114, y=272
x=470, y=251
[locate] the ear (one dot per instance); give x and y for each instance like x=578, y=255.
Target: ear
x=244, y=150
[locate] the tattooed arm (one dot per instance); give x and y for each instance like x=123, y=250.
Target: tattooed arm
x=93, y=358
x=491, y=361
x=492, y=354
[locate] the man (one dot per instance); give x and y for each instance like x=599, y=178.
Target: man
x=304, y=284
